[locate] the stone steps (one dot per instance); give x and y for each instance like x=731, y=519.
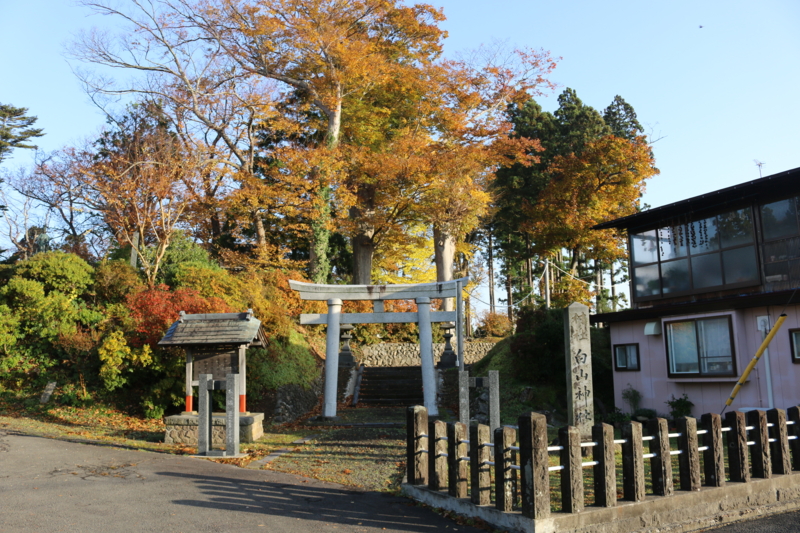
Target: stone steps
x=400, y=386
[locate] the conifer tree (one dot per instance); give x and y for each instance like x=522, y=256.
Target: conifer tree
x=15, y=129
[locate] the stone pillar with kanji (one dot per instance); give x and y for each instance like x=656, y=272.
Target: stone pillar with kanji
x=578, y=352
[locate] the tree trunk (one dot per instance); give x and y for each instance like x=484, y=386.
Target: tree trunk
x=135, y=249
x=529, y=261
x=261, y=233
x=613, y=289
x=318, y=263
x=363, y=251
x=509, y=289
x=492, y=308
x=444, y=250
x=364, y=240
x=598, y=283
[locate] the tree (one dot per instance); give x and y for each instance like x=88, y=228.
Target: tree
x=605, y=181
x=15, y=129
x=621, y=118
x=142, y=180
x=566, y=133
x=55, y=185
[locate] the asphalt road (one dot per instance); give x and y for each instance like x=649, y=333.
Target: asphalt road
x=49, y=485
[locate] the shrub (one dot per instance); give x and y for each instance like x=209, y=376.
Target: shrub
x=155, y=310
x=679, y=407
x=211, y=282
x=57, y=271
x=632, y=397
x=494, y=324
x=115, y=280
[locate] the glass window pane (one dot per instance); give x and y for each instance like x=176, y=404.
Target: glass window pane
x=626, y=356
x=716, y=355
x=675, y=276
x=645, y=248
x=622, y=356
x=735, y=227
x=633, y=357
x=682, y=348
x=796, y=345
x=782, y=250
x=646, y=282
x=706, y=271
x=672, y=242
x=739, y=265
x=703, y=236
x=779, y=219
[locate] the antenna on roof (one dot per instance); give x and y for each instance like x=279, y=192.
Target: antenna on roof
x=759, y=164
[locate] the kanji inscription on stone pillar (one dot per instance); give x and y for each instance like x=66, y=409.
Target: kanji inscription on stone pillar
x=577, y=344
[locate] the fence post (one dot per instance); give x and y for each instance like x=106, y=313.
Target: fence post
x=760, y=450
x=605, y=472
x=738, y=458
x=689, y=459
x=480, y=472
x=437, y=455
x=534, y=476
x=713, y=457
x=632, y=462
x=494, y=399
x=793, y=414
x=661, y=464
x=572, y=474
x=779, y=450
x=417, y=445
x=504, y=439
x=457, y=469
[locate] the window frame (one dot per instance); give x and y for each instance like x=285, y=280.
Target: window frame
x=756, y=244
x=793, y=352
x=638, y=358
x=699, y=374
x=768, y=262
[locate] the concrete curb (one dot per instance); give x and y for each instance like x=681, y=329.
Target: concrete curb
x=682, y=513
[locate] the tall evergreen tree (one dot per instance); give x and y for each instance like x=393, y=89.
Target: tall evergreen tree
x=621, y=118
x=15, y=129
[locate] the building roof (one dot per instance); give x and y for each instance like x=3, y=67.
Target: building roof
x=213, y=329
x=763, y=188
x=737, y=301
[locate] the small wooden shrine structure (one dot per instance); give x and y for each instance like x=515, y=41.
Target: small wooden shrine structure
x=421, y=293
x=215, y=344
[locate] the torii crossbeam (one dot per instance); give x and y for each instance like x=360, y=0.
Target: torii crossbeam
x=421, y=293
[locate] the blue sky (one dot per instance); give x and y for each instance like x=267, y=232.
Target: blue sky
x=716, y=81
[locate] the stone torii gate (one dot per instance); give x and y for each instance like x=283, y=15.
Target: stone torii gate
x=421, y=293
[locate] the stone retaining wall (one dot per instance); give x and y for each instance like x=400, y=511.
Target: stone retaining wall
x=182, y=429
x=293, y=401
x=407, y=354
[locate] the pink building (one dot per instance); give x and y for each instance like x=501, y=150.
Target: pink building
x=710, y=275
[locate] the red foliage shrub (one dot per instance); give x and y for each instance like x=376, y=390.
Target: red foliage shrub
x=155, y=310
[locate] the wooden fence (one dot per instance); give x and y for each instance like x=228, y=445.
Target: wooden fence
x=511, y=467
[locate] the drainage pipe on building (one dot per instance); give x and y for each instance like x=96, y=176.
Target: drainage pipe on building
x=753, y=363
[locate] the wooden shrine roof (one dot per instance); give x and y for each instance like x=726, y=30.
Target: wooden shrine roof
x=214, y=329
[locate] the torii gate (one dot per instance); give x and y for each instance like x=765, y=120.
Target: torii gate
x=419, y=292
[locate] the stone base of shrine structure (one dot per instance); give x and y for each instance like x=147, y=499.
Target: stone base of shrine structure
x=182, y=428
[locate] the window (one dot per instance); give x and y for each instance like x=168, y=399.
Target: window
x=794, y=337
x=700, y=347
x=626, y=356
x=711, y=253
x=781, y=244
